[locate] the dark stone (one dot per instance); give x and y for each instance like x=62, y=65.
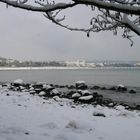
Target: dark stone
x=112, y=88
x=54, y=92
x=4, y=85
x=27, y=86
x=66, y=86
x=7, y=94
x=103, y=88
x=16, y=84
x=71, y=87
x=26, y=133
x=86, y=101
x=61, y=86
x=37, y=86
x=48, y=90
x=82, y=86
x=37, y=90
x=51, y=85
x=95, y=87
x=73, y=106
x=99, y=100
x=99, y=114
x=95, y=94
x=12, y=88
x=56, y=86
x=122, y=89
x=132, y=91
x=69, y=94
x=137, y=107
x=32, y=92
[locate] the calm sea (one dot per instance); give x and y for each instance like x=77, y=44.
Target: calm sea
x=67, y=76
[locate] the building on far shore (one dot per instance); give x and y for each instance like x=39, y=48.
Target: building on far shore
x=137, y=64
x=77, y=63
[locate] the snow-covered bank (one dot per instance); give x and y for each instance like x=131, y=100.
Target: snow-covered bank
x=41, y=68
x=64, y=68
x=24, y=116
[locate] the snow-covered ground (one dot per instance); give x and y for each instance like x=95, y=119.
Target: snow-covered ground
x=24, y=116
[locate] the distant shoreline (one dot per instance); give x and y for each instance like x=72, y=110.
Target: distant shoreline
x=65, y=68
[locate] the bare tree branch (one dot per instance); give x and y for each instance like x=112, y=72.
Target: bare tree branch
x=108, y=15
x=47, y=8
x=112, y=5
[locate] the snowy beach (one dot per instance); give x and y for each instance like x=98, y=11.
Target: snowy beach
x=33, y=117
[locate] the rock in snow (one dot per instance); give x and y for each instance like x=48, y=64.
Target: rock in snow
x=121, y=88
x=80, y=82
x=42, y=93
x=132, y=91
x=86, y=98
x=18, y=81
x=76, y=95
x=85, y=92
x=54, y=92
x=99, y=114
x=81, y=85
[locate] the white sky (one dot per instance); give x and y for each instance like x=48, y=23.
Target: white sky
x=30, y=36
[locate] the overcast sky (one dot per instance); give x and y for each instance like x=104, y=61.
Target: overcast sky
x=30, y=36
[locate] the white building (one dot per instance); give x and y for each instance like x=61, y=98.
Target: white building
x=137, y=64
x=77, y=63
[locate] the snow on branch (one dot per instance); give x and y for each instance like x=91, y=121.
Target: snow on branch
x=131, y=25
x=115, y=5
x=108, y=15
x=125, y=6
x=22, y=4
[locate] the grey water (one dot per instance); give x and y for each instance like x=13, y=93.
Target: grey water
x=128, y=77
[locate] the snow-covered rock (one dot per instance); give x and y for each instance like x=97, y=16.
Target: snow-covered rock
x=54, y=92
x=32, y=92
x=18, y=81
x=85, y=92
x=31, y=88
x=76, y=95
x=81, y=85
x=121, y=87
x=86, y=98
x=42, y=93
x=120, y=108
x=46, y=86
x=38, y=85
x=22, y=88
x=80, y=82
x=111, y=104
x=57, y=98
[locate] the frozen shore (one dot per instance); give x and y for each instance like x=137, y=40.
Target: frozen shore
x=26, y=116
x=63, y=68
x=81, y=93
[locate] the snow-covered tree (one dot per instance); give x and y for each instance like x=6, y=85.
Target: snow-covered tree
x=108, y=15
